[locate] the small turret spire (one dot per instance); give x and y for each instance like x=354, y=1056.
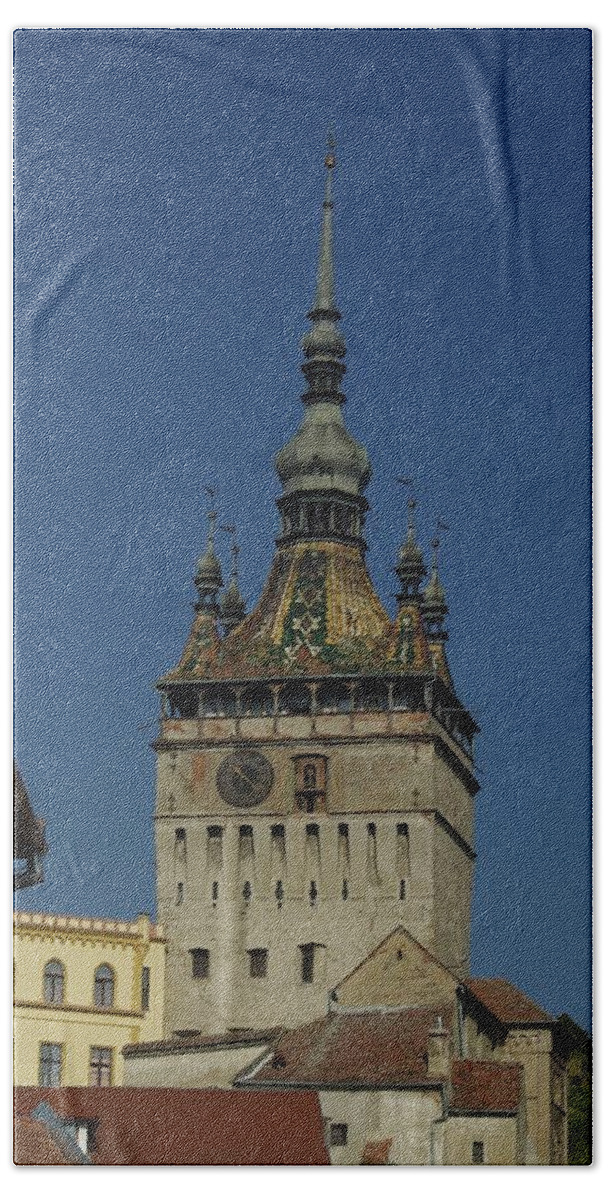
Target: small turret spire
x=208, y=578
x=232, y=605
x=410, y=568
x=434, y=605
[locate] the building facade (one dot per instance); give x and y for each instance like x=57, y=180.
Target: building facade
x=315, y=767
x=83, y=988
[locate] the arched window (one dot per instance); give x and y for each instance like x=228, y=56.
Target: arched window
x=104, y=987
x=54, y=977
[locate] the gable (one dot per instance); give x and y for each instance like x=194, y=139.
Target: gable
x=399, y=973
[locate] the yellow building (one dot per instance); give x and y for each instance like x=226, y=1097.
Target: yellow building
x=84, y=987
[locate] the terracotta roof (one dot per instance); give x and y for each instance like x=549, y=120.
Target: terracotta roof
x=507, y=1003
x=177, y=1045
x=375, y=1048
x=34, y=1145
x=375, y=1154
x=188, y=1127
x=485, y=1086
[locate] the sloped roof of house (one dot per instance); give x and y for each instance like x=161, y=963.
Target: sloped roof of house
x=197, y=1041
x=507, y=1003
x=485, y=1086
x=371, y=1049
x=173, y=1126
x=29, y=829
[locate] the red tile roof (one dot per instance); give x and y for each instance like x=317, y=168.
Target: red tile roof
x=34, y=1145
x=165, y=1126
x=485, y=1086
x=507, y=1003
x=197, y=1041
x=375, y=1048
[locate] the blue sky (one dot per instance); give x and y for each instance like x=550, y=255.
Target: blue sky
x=168, y=186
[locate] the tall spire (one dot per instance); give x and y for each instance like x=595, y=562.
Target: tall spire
x=323, y=457
x=208, y=578
x=324, y=345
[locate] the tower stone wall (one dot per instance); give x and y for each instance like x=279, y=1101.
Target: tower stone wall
x=315, y=766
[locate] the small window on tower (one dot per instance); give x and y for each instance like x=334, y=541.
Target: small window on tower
x=200, y=964
x=258, y=963
x=338, y=1135
x=180, y=845
x=478, y=1155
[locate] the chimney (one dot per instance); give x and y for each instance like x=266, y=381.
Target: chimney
x=439, y=1051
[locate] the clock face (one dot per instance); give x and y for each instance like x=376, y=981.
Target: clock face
x=244, y=778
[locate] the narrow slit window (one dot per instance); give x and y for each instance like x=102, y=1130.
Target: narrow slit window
x=145, y=988
x=372, y=855
x=180, y=845
x=246, y=847
x=313, y=852
x=214, y=847
x=477, y=1154
x=343, y=851
x=308, y=962
x=277, y=851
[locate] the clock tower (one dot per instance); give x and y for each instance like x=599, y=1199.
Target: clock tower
x=315, y=766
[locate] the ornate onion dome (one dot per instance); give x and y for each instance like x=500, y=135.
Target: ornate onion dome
x=434, y=605
x=232, y=605
x=323, y=461
x=410, y=567
x=208, y=578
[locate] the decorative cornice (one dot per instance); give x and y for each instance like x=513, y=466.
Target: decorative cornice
x=141, y=930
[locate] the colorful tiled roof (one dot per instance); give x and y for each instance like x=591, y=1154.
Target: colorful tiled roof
x=507, y=1003
x=485, y=1086
x=188, y=1127
x=378, y=1049
x=318, y=614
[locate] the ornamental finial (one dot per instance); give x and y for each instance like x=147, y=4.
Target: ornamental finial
x=330, y=156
